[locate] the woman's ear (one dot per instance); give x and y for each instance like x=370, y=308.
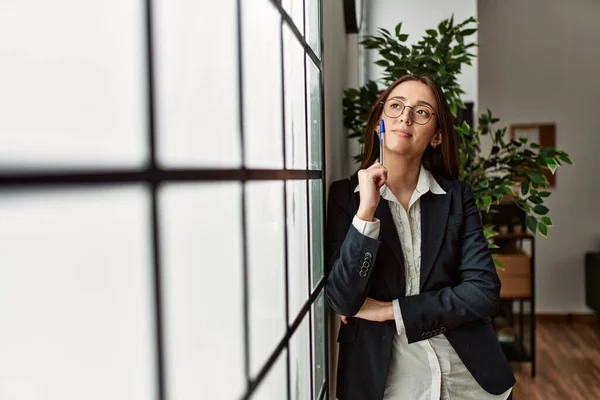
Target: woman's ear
x=437, y=139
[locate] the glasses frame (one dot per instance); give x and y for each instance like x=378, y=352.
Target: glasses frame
x=404, y=106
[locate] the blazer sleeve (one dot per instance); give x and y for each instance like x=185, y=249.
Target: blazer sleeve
x=350, y=255
x=477, y=296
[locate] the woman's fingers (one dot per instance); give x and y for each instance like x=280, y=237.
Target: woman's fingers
x=344, y=319
x=378, y=173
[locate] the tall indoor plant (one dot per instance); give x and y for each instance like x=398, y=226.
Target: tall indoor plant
x=513, y=169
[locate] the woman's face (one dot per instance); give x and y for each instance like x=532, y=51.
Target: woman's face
x=402, y=135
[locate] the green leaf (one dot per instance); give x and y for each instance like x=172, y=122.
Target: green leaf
x=547, y=221
x=540, y=209
x=508, y=190
x=467, y=32
x=551, y=163
x=397, y=30
x=402, y=38
x=431, y=32
x=442, y=27
x=489, y=231
x=385, y=32
x=533, y=146
x=531, y=223
x=543, y=230
x=564, y=157
x=498, y=264
x=536, y=199
x=544, y=194
x=524, y=184
x=487, y=202
x=537, y=178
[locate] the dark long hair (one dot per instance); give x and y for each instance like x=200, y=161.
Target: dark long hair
x=440, y=161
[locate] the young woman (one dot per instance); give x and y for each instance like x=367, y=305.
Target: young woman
x=410, y=270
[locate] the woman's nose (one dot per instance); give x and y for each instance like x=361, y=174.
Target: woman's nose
x=406, y=115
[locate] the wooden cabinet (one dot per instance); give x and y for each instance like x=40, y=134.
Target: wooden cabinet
x=516, y=275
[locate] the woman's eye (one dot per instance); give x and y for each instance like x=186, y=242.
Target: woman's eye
x=423, y=112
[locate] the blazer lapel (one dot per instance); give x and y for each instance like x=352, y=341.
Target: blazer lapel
x=388, y=230
x=390, y=236
x=435, y=209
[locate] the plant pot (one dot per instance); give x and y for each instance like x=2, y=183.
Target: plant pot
x=517, y=229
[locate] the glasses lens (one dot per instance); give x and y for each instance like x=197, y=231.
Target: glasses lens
x=393, y=108
x=421, y=114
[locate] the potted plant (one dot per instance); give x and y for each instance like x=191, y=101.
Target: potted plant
x=493, y=176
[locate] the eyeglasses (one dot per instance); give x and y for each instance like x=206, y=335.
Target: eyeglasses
x=420, y=114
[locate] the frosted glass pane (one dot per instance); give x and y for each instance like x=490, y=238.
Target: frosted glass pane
x=295, y=120
x=316, y=230
x=263, y=122
x=197, y=83
x=274, y=385
x=313, y=32
x=297, y=246
x=73, y=90
x=266, y=269
x=294, y=8
x=300, y=368
x=318, y=340
x=76, y=297
x=315, y=132
x=203, y=295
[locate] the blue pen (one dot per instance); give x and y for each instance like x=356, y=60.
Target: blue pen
x=381, y=132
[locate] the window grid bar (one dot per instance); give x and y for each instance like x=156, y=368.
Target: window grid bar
x=240, y=77
x=307, y=49
x=157, y=282
x=284, y=342
x=308, y=213
x=155, y=176
x=323, y=390
x=320, y=66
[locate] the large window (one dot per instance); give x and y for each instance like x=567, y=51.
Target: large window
x=161, y=200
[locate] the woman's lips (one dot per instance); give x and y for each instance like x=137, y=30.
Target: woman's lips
x=402, y=133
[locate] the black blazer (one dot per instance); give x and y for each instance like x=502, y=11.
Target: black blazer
x=459, y=288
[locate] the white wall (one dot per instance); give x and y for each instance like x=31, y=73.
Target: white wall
x=416, y=17
x=539, y=62
x=335, y=59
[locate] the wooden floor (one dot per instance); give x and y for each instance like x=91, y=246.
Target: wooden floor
x=568, y=364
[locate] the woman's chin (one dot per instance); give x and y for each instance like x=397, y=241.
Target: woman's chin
x=404, y=151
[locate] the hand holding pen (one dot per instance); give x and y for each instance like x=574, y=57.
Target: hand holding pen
x=370, y=180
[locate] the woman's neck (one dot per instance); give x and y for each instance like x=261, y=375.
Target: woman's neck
x=403, y=174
